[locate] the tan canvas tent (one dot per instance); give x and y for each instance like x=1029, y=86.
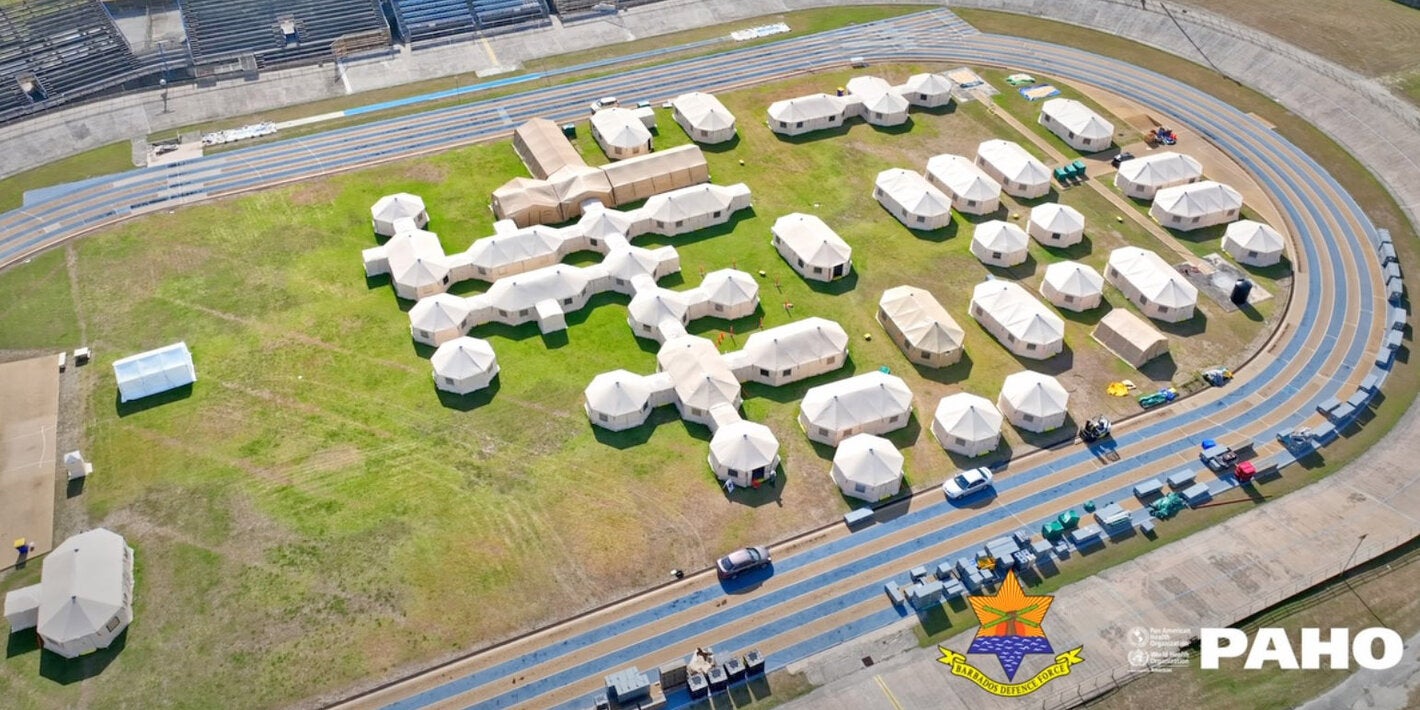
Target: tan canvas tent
x=967, y=424
x=811, y=247
x=1130, y=337
x=867, y=467
x=920, y=326
x=543, y=149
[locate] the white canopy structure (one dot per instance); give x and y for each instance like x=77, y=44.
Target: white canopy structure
x=390, y=209
x=1145, y=176
x=1253, y=243
x=874, y=402
x=438, y=319
x=728, y=293
x=1019, y=173
x=464, y=365
x=620, y=400
x=811, y=247
x=967, y=424
x=1196, y=205
x=1072, y=286
x=1017, y=320
x=972, y=191
x=927, y=90
x=84, y=599
x=999, y=243
x=1130, y=337
x=1033, y=401
x=1077, y=124
x=703, y=117
x=519, y=250
x=650, y=308
x=920, y=326
x=791, y=352
x=1056, y=225
x=867, y=467
x=543, y=295
x=744, y=452
x=882, y=104
x=1151, y=284
x=912, y=200
x=620, y=133
x=157, y=370
x=804, y=114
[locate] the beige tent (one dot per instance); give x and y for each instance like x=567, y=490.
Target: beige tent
x=543, y=149
x=874, y=402
x=1072, y=286
x=620, y=133
x=1077, y=125
x=641, y=177
x=745, y=453
x=84, y=599
x=695, y=207
x=803, y=114
x=867, y=467
x=1033, y=401
x=1151, y=284
x=438, y=319
x=464, y=365
x=998, y=243
x=528, y=202
x=912, y=200
x=700, y=376
x=1196, y=205
x=575, y=184
x=392, y=208
x=927, y=90
x=703, y=117
x=1143, y=177
x=796, y=351
x=516, y=252
x=652, y=307
x=811, y=247
x=541, y=295
x=967, y=424
x=1056, y=225
x=920, y=326
x=1019, y=173
x=971, y=189
x=1253, y=243
x=618, y=400
x=728, y=294
x=882, y=104
x=1130, y=337
x=1018, y=321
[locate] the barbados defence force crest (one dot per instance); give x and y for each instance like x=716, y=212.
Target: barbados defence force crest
x=1011, y=629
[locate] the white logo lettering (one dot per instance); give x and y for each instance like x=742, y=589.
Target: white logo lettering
x=1272, y=646
x=1392, y=648
x=1211, y=648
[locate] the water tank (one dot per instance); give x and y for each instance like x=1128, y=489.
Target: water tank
x=1241, y=289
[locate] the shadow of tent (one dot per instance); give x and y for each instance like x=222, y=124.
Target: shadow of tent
x=1091, y=317
x=73, y=670
x=836, y=287
x=1193, y=326
x=1160, y=369
x=996, y=457
x=637, y=435
x=771, y=491
x=472, y=400
x=125, y=409
x=21, y=642
x=794, y=391
x=1056, y=364
x=1076, y=251
x=958, y=371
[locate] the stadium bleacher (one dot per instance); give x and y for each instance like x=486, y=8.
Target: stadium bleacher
x=422, y=20
x=276, y=32
x=54, y=50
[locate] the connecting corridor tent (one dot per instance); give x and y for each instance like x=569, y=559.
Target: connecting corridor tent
x=149, y=373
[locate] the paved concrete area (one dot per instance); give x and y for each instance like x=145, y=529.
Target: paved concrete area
x=29, y=419
x=1393, y=689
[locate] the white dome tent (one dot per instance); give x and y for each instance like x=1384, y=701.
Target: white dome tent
x=1077, y=124
x=1019, y=173
x=1196, y=205
x=744, y=452
x=1033, y=402
x=400, y=206
x=85, y=596
x=972, y=191
x=867, y=467
x=618, y=400
x=998, y=243
x=1144, y=176
x=1253, y=243
x=967, y=424
x=811, y=247
x=1072, y=286
x=912, y=200
x=874, y=402
x=464, y=365
x=439, y=318
x=927, y=90
x=1056, y=225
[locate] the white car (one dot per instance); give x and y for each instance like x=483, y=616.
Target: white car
x=604, y=102
x=967, y=482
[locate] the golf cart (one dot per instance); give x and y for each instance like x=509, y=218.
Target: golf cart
x=1163, y=136
x=1095, y=429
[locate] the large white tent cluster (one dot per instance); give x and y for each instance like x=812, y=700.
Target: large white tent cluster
x=1143, y=177
x=1022, y=324
x=704, y=385
x=1196, y=205
x=870, y=98
x=155, y=371
x=1072, y=286
x=811, y=247
x=873, y=403
x=999, y=243
x=1056, y=225
x=867, y=467
x=915, y=202
x=1019, y=173
x=84, y=599
x=971, y=190
x=1151, y=284
x=1033, y=401
x=1130, y=337
x=1077, y=125
x=920, y=326
x=967, y=424
x=1253, y=243
x=703, y=117
x=620, y=133
x=464, y=365
x=391, y=209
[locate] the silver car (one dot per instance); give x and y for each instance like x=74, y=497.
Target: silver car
x=967, y=482
x=743, y=560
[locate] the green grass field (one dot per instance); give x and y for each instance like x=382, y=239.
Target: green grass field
x=311, y=514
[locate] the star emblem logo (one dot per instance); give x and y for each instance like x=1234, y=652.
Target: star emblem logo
x=1010, y=625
